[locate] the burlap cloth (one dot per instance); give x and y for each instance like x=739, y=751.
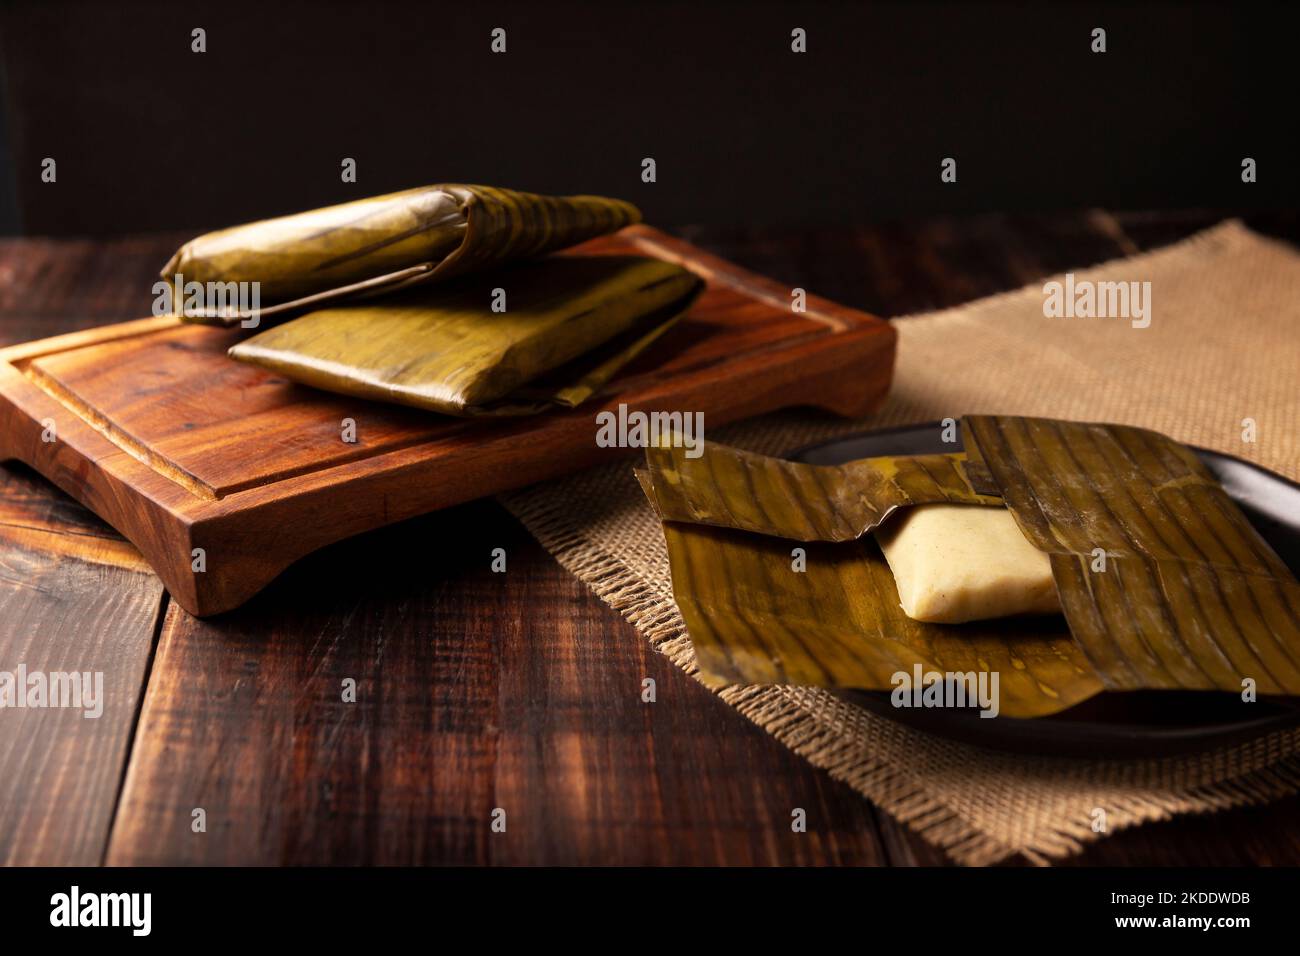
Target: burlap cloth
x=1223, y=345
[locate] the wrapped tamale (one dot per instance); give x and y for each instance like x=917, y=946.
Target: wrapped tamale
x=569, y=323
x=1161, y=581
x=384, y=243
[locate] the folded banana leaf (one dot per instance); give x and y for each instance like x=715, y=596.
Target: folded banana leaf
x=1189, y=596
x=570, y=323
x=731, y=488
x=388, y=242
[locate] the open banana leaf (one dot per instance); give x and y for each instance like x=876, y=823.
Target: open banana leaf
x=754, y=619
x=570, y=322
x=1188, y=596
x=387, y=242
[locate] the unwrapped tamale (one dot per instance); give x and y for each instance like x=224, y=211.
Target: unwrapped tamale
x=569, y=323
x=387, y=242
x=956, y=563
x=1162, y=581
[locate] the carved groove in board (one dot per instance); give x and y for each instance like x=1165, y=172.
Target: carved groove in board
x=15, y=355
x=391, y=447
x=741, y=283
x=136, y=449
x=177, y=473
x=190, y=482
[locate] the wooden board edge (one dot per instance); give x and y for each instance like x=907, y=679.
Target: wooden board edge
x=85, y=465
x=16, y=355
x=655, y=242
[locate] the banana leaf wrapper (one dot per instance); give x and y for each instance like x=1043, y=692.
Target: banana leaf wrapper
x=388, y=242
x=1191, y=598
x=731, y=488
x=570, y=324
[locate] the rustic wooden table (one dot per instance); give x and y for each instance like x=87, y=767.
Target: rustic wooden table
x=475, y=690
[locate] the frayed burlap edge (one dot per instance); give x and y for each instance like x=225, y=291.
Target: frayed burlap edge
x=811, y=722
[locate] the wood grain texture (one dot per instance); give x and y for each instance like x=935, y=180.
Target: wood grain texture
x=506, y=692
x=73, y=597
x=180, y=448
x=475, y=691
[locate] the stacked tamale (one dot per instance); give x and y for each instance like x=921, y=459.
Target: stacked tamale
x=443, y=297
x=1068, y=558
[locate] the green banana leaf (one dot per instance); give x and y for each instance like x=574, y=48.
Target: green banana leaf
x=1189, y=595
x=384, y=243
x=737, y=489
x=570, y=322
x=754, y=619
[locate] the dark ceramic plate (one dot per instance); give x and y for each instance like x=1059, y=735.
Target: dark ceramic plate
x=1113, y=724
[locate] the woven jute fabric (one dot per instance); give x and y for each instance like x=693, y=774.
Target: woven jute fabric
x=1222, y=347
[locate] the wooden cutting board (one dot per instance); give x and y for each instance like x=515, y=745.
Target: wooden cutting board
x=223, y=474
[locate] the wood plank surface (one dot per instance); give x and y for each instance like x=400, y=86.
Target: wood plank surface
x=478, y=690
x=74, y=598
x=475, y=691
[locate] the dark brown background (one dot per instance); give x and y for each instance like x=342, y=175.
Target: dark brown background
x=480, y=692
x=150, y=136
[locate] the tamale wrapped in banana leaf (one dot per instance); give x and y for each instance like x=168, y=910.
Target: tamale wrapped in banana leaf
x=388, y=242
x=570, y=322
x=1161, y=580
